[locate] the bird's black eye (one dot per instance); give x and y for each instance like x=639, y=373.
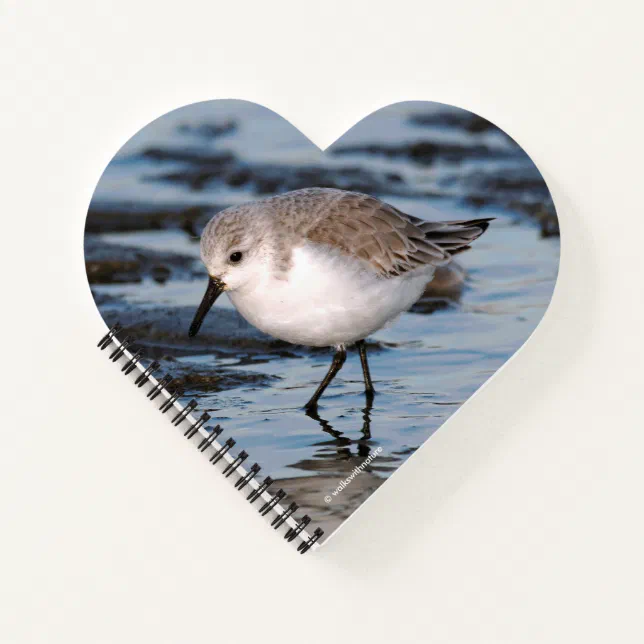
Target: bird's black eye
x=235, y=257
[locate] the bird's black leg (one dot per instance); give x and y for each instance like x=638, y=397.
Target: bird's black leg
x=368, y=385
x=338, y=360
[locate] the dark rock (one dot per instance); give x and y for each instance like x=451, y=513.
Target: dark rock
x=428, y=305
x=548, y=223
x=207, y=381
x=113, y=272
x=427, y=152
x=189, y=155
x=517, y=181
x=448, y=281
x=267, y=185
x=127, y=217
x=160, y=273
x=444, y=291
x=115, y=264
x=238, y=177
x=520, y=189
x=208, y=130
x=452, y=118
x=267, y=179
x=167, y=328
x=104, y=299
x=198, y=379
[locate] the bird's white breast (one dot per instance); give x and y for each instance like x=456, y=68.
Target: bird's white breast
x=327, y=298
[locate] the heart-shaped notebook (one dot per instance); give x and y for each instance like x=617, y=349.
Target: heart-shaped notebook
x=414, y=256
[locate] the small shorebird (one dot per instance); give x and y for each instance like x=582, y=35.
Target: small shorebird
x=325, y=267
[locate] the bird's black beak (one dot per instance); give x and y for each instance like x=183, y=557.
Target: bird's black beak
x=214, y=290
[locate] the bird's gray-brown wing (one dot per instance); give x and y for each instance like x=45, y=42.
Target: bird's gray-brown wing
x=392, y=242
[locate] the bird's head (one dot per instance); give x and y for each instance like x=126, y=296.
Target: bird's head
x=234, y=252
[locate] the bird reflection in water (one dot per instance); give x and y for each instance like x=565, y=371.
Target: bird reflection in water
x=343, y=442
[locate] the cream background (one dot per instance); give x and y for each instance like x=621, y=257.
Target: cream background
x=520, y=521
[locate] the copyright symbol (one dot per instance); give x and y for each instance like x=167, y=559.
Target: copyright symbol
x=327, y=499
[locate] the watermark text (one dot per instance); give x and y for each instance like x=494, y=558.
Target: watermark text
x=355, y=472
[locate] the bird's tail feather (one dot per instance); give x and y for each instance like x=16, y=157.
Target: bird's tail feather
x=455, y=236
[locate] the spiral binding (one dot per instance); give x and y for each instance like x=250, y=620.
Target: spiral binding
x=296, y=527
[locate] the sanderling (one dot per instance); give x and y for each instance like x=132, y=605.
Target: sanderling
x=325, y=267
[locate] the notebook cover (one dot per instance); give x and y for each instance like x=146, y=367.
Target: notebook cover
x=428, y=160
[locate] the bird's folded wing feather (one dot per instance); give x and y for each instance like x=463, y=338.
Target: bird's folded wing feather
x=392, y=242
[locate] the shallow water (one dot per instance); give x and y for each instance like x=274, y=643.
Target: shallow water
x=424, y=366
